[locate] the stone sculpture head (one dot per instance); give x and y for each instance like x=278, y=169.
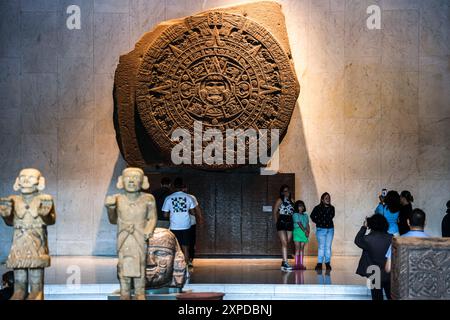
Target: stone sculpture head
x=133, y=180
x=29, y=181
x=165, y=261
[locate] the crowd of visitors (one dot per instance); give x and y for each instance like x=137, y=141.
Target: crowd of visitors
x=292, y=219
x=394, y=216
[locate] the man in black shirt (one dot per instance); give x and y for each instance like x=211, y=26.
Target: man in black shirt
x=446, y=223
x=160, y=195
x=7, y=286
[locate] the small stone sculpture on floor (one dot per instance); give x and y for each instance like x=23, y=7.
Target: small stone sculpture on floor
x=29, y=213
x=135, y=214
x=166, y=266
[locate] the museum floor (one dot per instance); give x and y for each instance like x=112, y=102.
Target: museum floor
x=237, y=278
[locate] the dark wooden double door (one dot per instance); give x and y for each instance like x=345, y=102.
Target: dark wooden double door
x=236, y=222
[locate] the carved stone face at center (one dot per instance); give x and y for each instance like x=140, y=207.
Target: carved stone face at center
x=160, y=266
x=215, y=90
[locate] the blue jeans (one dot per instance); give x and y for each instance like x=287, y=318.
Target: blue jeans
x=324, y=239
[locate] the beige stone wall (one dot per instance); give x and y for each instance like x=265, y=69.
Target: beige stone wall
x=374, y=107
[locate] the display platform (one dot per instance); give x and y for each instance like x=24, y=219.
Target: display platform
x=94, y=278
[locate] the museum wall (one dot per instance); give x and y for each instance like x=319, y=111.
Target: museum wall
x=374, y=106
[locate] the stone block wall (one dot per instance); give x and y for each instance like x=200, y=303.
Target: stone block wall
x=374, y=106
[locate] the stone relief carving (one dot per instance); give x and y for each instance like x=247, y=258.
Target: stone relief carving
x=420, y=268
x=220, y=67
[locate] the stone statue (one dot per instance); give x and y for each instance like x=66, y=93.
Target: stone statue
x=29, y=213
x=166, y=266
x=134, y=212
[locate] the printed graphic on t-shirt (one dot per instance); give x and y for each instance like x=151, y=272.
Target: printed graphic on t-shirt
x=286, y=208
x=179, y=204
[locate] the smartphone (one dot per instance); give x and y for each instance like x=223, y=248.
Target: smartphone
x=383, y=192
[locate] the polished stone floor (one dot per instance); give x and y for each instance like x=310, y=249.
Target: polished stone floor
x=267, y=271
x=94, y=278
x=102, y=270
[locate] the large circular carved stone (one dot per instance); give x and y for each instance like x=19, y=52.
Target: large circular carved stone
x=222, y=69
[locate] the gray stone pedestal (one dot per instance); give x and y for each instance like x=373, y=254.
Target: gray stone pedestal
x=154, y=294
x=420, y=268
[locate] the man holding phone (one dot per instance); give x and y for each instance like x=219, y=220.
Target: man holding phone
x=389, y=207
x=383, y=195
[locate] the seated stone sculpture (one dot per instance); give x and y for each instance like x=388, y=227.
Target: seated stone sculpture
x=166, y=266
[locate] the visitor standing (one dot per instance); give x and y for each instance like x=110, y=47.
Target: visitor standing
x=406, y=200
x=446, y=222
x=416, y=223
x=282, y=214
x=374, y=246
x=300, y=233
x=178, y=207
x=323, y=215
x=197, y=217
x=389, y=207
x=7, y=290
x=160, y=195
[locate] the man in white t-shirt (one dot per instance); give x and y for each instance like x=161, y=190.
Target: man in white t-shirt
x=179, y=206
x=193, y=230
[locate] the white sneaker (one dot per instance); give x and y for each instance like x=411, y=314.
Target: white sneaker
x=285, y=266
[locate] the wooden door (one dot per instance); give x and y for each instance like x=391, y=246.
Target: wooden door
x=235, y=222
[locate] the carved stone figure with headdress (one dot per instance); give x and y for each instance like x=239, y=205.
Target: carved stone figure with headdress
x=134, y=212
x=29, y=214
